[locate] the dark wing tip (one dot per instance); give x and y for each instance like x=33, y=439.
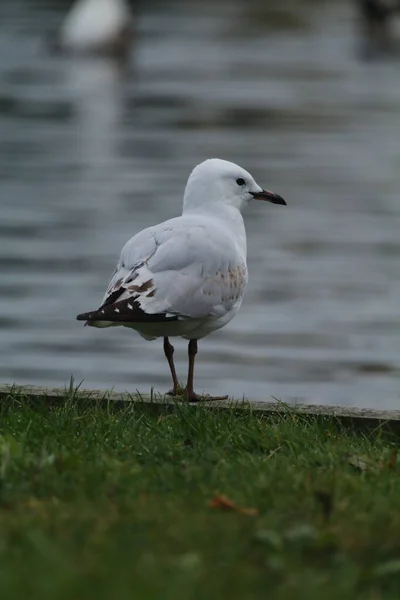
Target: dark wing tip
x=125, y=311
x=83, y=316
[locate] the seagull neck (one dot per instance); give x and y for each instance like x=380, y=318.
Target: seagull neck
x=227, y=213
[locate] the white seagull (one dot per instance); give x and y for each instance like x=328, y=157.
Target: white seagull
x=97, y=26
x=186, y=277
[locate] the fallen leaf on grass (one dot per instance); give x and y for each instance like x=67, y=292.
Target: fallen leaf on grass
x=224, y=503
x=363, y=463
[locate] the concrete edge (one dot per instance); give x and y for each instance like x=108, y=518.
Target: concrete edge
x=341, y=412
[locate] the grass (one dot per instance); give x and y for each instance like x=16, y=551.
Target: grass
x=192, y=504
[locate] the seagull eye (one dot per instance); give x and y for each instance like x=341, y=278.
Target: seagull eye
x=240, y=181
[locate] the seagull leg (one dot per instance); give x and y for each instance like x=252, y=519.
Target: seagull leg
x=192, y=351
x=191, y=396
x=169, y=355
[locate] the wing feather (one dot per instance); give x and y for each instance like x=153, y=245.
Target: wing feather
x=180, y=269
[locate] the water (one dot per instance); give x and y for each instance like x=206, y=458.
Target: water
x=90, y=154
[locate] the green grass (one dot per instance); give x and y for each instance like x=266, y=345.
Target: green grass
x=99, y=503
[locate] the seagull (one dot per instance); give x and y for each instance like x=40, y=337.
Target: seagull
x=186, y=277
x=97, y=27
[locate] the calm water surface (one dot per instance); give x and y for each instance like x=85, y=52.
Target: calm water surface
x=90, y=154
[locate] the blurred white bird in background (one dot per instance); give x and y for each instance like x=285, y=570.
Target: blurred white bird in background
x=186, y=277
x=97, y=27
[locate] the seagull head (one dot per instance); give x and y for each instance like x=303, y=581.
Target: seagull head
x=216, y=181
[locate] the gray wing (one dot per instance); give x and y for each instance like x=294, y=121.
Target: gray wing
x=179, y=268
